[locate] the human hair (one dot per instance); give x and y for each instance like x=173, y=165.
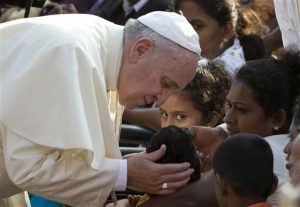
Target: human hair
x=134, y=30
x=224, y=11
x=209, y=88
x=245, y=163
x=179, y=148
x=275, y=83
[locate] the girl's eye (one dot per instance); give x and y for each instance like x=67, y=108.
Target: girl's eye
x=163, y=115
x=180, y=116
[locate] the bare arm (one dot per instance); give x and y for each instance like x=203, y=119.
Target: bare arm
x=207, y=139
x=273, y=41
x=149, y=118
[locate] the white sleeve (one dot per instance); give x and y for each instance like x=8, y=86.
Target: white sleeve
x=224, y=127
x=56, y=174
x=122, y=177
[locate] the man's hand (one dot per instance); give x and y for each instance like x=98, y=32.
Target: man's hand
x=147, y=176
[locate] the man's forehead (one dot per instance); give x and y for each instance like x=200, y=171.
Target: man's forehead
x=180, y=76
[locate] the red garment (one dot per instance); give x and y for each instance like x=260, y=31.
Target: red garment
x=262, y=204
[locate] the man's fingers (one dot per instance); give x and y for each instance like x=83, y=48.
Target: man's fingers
x=156, y=155
x=171, y=187
x=178, y=176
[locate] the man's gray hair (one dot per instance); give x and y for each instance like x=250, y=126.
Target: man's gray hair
x=134, y=30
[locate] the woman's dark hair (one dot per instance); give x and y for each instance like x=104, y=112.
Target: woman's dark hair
x=275, y=83
x=208, y=89
x=179, y=148
x=224, y=11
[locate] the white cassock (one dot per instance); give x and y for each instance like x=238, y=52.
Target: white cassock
x=57, y=138
x=288, y=17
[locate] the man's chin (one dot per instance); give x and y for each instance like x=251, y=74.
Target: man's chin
x=129, y=107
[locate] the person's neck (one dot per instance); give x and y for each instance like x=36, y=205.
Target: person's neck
x=244, y=202
x=226, y=45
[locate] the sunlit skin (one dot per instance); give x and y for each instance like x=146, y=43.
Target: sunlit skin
x=180, y=112
x=245, y=114
x=145, y=78
x=294, y=161
x=293, y=151
x=288, y=148
x=212, y=36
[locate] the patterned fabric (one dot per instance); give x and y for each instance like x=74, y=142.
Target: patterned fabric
x=233, y=58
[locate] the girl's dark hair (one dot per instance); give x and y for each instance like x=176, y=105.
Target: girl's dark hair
x=208, y=89
x=275, y=83
x=224, y=11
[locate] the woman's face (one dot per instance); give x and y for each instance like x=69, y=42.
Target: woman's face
x=288, y=149
x=180, y=112
x=245, y=114
x=211, y=34
x=294, y=162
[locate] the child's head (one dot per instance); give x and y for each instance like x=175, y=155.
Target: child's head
x=202, y=101
x=243, y=166
x=179, y=148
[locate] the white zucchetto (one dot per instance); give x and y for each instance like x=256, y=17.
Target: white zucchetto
x=174, y=27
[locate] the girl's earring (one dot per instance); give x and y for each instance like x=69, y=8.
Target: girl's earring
x=276, y=128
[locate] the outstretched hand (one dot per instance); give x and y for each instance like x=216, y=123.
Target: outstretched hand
x=147, y=176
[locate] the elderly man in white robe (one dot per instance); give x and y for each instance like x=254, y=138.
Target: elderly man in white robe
x=57, y=125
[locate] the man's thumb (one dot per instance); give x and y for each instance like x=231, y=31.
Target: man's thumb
x=158, y=154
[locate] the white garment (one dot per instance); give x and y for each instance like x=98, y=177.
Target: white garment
x=277, y=144
x=56, y=131
x=288, y=17
x=233, y=58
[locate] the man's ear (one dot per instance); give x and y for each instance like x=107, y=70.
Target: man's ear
x=221, y=184
x=139, y=48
